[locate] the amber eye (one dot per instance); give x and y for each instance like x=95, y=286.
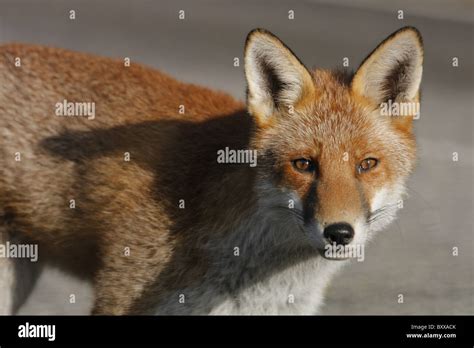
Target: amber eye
x=303, y=165
x=367, y=164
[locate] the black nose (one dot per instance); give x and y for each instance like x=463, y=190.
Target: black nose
x=340, y=233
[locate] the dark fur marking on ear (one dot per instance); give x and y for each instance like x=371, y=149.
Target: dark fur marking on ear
x=274, y=84
x=396, y=81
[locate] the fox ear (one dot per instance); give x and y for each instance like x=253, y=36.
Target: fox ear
x=393, y=70
x=276, y=79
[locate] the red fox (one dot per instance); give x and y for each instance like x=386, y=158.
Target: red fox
x=176, y=199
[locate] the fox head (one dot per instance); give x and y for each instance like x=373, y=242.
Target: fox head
x=336, y=162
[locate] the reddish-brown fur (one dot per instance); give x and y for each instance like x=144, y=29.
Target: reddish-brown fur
x=136, y=204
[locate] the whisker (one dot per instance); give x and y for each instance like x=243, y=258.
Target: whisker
x=388, y=210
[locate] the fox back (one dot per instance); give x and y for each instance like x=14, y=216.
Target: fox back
x=175, y=199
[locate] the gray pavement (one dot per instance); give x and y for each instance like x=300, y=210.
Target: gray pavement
x=414, y=256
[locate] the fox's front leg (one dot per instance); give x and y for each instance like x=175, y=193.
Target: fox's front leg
x=128, y=271
x=17, y=275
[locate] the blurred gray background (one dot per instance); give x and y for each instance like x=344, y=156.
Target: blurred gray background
x=414, y=256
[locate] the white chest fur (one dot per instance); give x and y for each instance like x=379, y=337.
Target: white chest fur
x=299, y=289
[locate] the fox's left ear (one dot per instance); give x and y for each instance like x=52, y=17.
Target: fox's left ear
x=393, y=70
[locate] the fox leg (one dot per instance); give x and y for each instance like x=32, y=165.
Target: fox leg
x=123, y=283
x=114, y=291
x=118, y=288
x=17, y=277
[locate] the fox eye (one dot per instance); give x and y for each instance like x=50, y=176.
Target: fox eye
x=303, y=165
x=367, y=164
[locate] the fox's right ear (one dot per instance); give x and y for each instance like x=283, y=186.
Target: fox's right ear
x=276, y=79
